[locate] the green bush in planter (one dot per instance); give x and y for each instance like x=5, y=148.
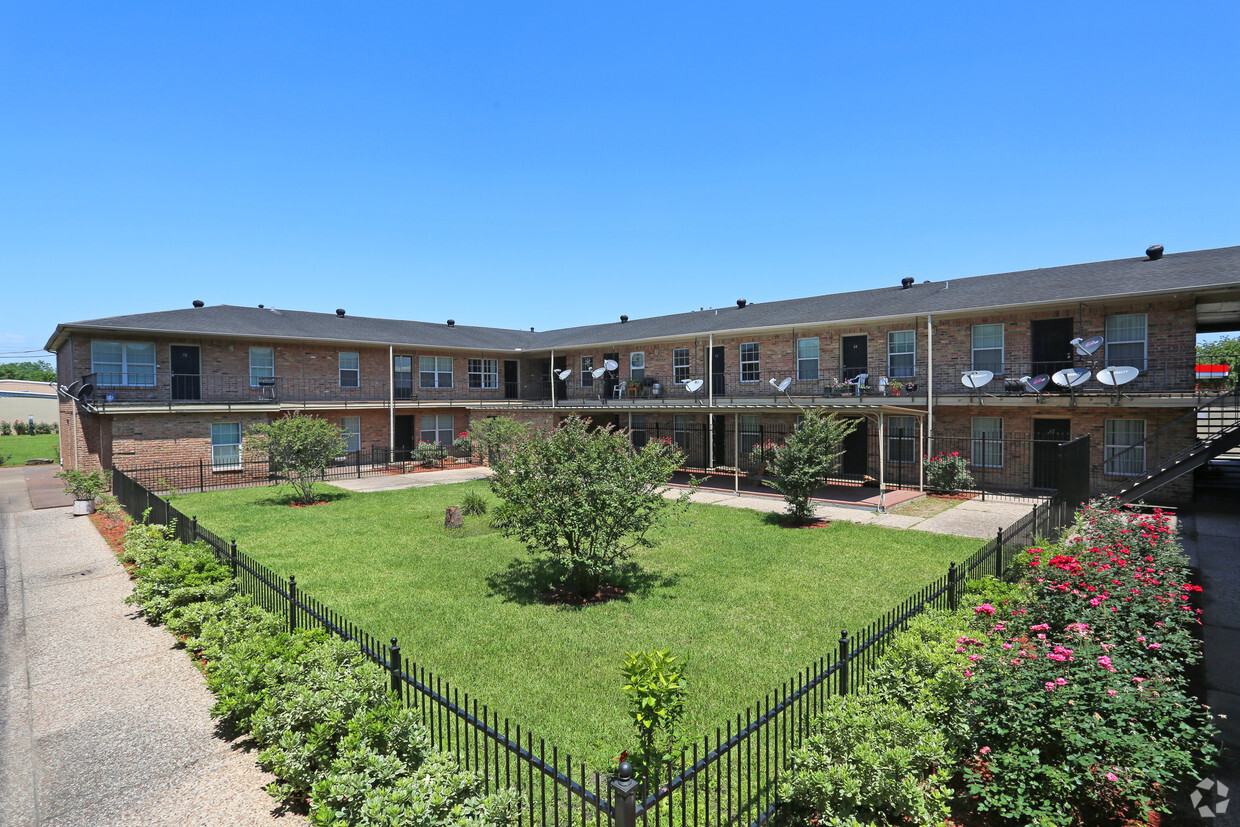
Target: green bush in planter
x=948, y=472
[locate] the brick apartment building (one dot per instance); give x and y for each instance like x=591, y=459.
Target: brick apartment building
x=182, y=386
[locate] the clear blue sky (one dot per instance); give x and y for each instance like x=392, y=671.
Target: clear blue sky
x=544, y=164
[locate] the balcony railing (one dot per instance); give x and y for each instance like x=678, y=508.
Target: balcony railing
x=1157, y=377
x=212, y=388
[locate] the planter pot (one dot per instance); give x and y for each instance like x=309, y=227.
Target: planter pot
x=82, y=508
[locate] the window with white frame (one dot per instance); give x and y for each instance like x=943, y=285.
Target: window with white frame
x=124, y=364
x=435, y=371
x=902, y=354
x=680, y=431
x=352, y=427
x=587, y=371
x=437, y=428
x=807, y=359
x=901, y=439
x=350, y=370
x=1126, y=339
x=637, y=366
x=987, y=443
x=1123, y=453
x=262, y=364
x=637, y=430
x=988, y=347
x=751, y=432
x=749, y=362
x=402, y=377
x=483, y=373
x=680, y=365
x=225, y=446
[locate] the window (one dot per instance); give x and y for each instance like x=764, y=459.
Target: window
x=483, y=373
x=680, y=431
x=751, y=432
x=637, y=366
x=749, y=362
x=402, y=377
x=1123, y=452
x=587, y=371
x=680, y=365
x=350, y=370
x=123, y=363
x=902, y=354
x=437, y=428
x=225, y=446
x=262, y=364
x=1126, y=340
x=987, y=447
x=901, y=439
x=807, y=359
x=637, y=427
x=988, y=347
x=352, y=427
x=435, y=371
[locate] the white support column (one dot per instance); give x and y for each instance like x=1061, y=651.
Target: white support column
x=392, y=403
x=930, y=375
x=710, y=416
x=551, y=373
x=882, y=437
x=921, y=453
x=736, y=456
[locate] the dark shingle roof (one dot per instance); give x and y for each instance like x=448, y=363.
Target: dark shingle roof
x=1076, y=282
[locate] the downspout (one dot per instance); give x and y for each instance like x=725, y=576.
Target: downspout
x=930, y=381
x=392, y=404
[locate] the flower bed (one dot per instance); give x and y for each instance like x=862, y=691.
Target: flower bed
x=1060, y=701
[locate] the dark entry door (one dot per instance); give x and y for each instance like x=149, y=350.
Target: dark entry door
x=720, y=424
x=718, y=366
x=856, y=459
x=1047, y=435
x=512, y=382
x=561, y=385
x=403, y=438
x=612, y=377
x=186, y=373
x=856, y=358
x=1050, y=349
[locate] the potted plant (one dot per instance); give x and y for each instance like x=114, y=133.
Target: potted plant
x=895, y=386
x=84, y=486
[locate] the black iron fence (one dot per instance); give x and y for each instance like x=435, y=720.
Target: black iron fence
x=732, y=778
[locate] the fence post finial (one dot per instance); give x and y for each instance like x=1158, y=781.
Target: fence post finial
x=625, y=788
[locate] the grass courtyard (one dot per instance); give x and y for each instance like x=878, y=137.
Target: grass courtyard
x=18, y=449
x=747, y=601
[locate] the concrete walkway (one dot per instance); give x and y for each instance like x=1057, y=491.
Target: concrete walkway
x=102, y=720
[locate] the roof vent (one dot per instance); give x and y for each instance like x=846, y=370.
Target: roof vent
x=340, y=312
x=261, y=306
x=1155, y=252
x=531, y=330
x=451, y=322
x=623, y=319
x=906, y=282
x=198, y=303
x=741, y=302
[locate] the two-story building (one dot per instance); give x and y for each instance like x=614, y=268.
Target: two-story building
x=182, y=386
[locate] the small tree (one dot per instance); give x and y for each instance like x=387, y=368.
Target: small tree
x=655, y=685
x=808, y=458
x=583, y=496
x=300, y=446
x=494, y=435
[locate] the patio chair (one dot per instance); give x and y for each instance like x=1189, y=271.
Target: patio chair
x=859, y=381
x=620, y=389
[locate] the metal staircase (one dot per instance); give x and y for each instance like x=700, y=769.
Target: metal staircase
x=1217, y=424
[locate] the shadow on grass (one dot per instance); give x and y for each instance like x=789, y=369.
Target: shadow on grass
x=527, y=580
x=286, y=496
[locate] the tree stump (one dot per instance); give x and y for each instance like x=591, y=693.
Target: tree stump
x=452, y=518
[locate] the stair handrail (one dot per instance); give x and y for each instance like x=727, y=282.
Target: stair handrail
x=1230, y=393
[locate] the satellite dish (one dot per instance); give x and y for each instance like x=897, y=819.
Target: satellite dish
x=976, y=378
x=86, y=390
x=564, y=374
x=597, y=373
x=781, y=386
x=1036, y=384
x=1086, y=347
x=611, y=364
x=1071, y=377
x=75, y=388
x=694, y=385
x=1117, y=376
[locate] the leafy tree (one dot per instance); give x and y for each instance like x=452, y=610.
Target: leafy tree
x=495, y=434
x=41, y=371
x=808, y=458
x=583, y=496
x=656, y=688
x=300, y=446
x=1224, y=349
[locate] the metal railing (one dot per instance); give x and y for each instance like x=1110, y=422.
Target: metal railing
x=1177, y=376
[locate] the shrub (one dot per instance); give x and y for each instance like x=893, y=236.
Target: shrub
x=83, y=485
x=5, y=428
x=948, y=472
x=473, y=504
x=868, y=760
x=430, y=454
x=808, y=458
x=494, y=436
x=655, y=686
x=177, y=575
x=463, y=444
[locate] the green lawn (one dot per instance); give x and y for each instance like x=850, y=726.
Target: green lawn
x=750, y=603
x=18, y=449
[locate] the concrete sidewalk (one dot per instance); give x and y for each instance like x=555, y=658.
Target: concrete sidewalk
x=102, y=720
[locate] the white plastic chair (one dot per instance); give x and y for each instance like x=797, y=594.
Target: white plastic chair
x=620, y=389
x=859, y=381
